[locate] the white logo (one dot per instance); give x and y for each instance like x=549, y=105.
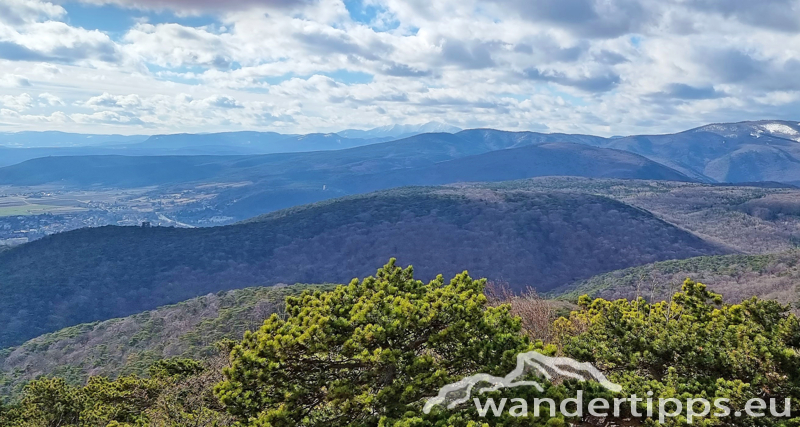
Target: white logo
x=460, y=392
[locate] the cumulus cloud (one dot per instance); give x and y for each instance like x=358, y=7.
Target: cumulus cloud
x=177, y=45
x=469, y=55
x=593, y=66
x=18, y=103
x=203, y=5
x=20, y=12
x=114, y=102
x=222, y=102
x=50, y=99
x=683, y=91
x=591, y=18
x=57, y=42
x=590, y=83
x=107, y=117
x=13, y=81
x=783, y=15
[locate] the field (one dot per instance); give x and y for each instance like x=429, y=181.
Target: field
x=23, y=208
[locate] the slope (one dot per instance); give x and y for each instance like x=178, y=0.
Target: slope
x=524, y=238
x=129, y=345
x=547, y=159
x=737, y=277
x=766, y=150
x=217, y=144
x=751, y=219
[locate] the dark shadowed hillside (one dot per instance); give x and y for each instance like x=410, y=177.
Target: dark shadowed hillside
x=524, y=238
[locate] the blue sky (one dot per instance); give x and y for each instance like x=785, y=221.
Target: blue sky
x=589, y=66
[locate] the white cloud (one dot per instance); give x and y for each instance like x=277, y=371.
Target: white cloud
x=106, y=117
x=114, y=102
x=50, y=99
x=20, y=12
x=202, y=5
x=590, y=66
x=173, y=45
x=13, y=81
x=19, y=103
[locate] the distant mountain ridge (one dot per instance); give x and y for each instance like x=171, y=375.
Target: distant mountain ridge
x=217, y=144
x=546, y=159
x=766, y=150
x=32, y=139
x=278, y=181
x=399, y=131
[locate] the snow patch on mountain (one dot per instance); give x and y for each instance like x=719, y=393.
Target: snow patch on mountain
x=780, y=129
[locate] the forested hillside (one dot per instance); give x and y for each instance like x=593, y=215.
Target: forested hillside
x=382, y=351
x=738, y=277
x=130, y=345
x=757, y=218
x=765, y=150
x=546, y=159
x=526, y=238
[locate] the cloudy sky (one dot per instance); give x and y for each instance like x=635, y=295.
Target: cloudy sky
x=607, y=67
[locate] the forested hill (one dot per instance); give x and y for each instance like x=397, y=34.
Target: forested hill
x=547, y=159
x=131, y=344
x=522, y=237
x=737, y=277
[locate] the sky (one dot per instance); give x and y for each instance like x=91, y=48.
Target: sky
x=604, y=67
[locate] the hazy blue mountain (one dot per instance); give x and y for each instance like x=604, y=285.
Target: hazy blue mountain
x=114, y=171
x=399, y=131
x=63, y=139
x=522, y=237
x=730, y=152
x=547, y=159
x=279, y=181
x=255, y=142
x=497, y=140
x=229, y=143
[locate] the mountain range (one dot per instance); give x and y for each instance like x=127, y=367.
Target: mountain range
x=730, y=152
x=277, y=181
x=545, y=232
x=399, y=131
x=54, y=139
x=20, y=146
x=677, y=190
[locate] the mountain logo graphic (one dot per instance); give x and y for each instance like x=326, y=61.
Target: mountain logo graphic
x=460, y=392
